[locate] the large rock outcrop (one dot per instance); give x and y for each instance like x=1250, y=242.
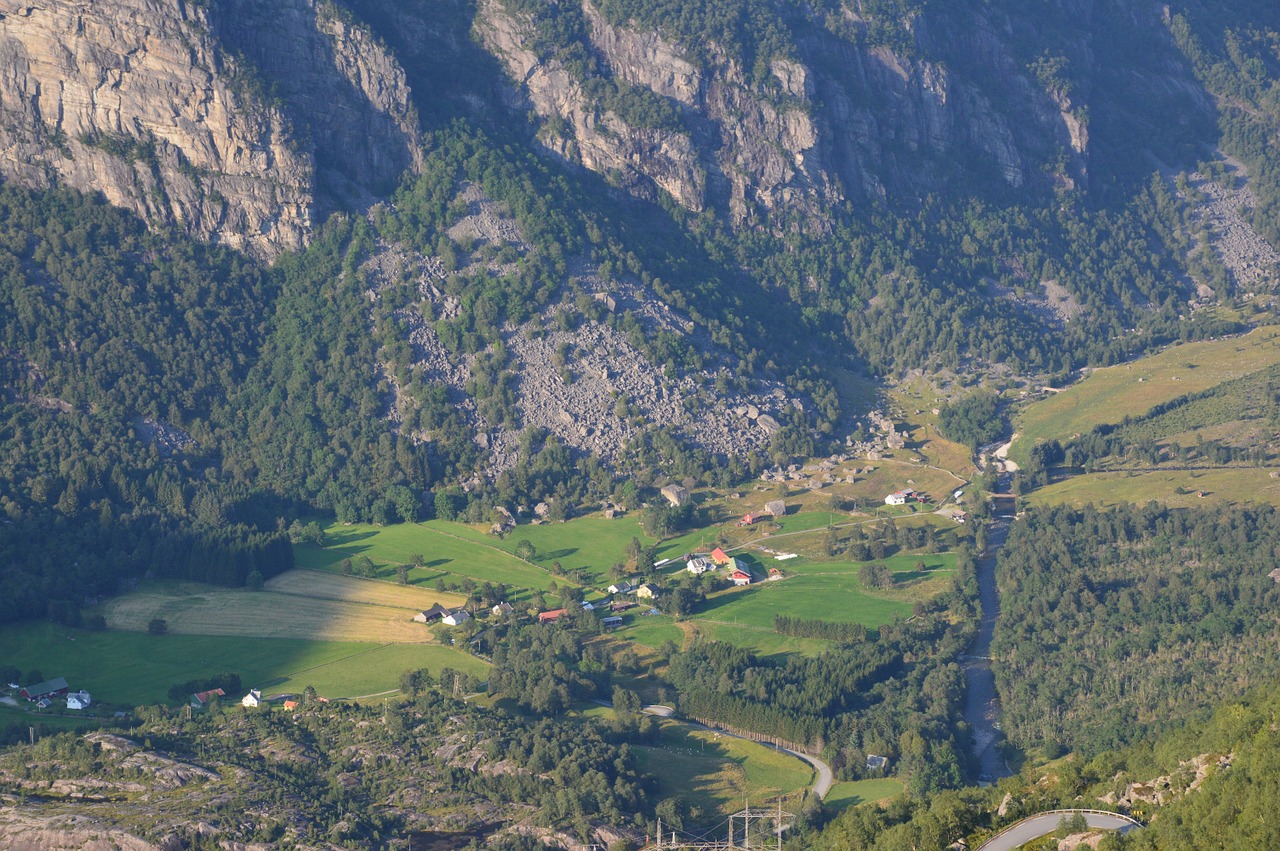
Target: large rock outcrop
x=144, y=101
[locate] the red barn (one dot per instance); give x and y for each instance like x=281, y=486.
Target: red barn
x=49, y=688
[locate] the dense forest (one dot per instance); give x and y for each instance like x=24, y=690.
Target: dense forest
x=1115, y=623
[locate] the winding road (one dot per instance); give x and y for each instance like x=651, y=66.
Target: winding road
x=1042, y=824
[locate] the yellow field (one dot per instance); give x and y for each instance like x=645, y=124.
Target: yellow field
x=1108, y=395
x=1234, y=487
x=329, y=586
x=195, y=609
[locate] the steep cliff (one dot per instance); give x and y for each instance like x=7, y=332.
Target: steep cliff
x=854, y=104
x=146, y=102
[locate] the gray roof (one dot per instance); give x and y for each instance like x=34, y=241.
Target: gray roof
x=47, y=687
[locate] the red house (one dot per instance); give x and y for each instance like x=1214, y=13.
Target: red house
x=751, y=517
x=49, y=688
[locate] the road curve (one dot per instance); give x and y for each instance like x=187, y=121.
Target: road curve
x=1033, y=827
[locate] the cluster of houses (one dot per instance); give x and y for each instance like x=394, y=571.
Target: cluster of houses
x=904, y=496
x=453, y=617
x=253, y=699
x=44, y=694
x=737, y=570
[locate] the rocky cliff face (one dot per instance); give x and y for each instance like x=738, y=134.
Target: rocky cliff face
x=144, y=101
x=847, y=116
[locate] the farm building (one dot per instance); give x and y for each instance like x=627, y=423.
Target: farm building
x=719, y=556
x=620, y=606
x=49, y=688
x=551, y=616
x=290, y=705
x=740, y=577
x=253, y=698
x=774, y=574
x=588, y=607
x=676, y=495
x=736, y=564
x=503, y=608
x=79, y=700
x=776, y=507
x=699, y=565
x=456, y=618
x=647, y=591
x=623, y=587
x=877, y=763
x=899, y=497
x=752, y=517
x=432, y=614
x=611, y=622
x=202, y=699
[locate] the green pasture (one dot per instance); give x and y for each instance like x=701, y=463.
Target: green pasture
x=447, y=553
x=591, y=544
x=854, y=792
x=136, y=668
x=1237, y=486
x=650, y=630
x=715, y=772
x=1109, y=395
x=837, y=597
x=762, y=641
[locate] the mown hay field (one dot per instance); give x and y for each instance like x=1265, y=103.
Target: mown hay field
x=193, y=609
x=328, y=586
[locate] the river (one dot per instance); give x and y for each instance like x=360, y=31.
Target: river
x=982, y=704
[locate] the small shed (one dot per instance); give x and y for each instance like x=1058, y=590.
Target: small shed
x=611, y=622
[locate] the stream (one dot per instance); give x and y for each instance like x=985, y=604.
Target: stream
x=982, y=704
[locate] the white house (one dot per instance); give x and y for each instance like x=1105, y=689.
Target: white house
x=456, y=618
x=253, y=698
x=699, y=565
x=899, y=498
x=503, y=608
x=79, y=700
x=622, y=587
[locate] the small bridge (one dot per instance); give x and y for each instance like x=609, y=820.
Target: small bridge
x=1042, y=824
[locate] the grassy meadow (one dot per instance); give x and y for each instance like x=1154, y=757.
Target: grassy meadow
x=136, y=668
x=1231, y=486
x=1109, y=395
x=715, y=772
x=853, y=792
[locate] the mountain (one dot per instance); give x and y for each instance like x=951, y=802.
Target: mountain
x=401, y=255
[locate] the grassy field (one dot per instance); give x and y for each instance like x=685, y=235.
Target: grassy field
x=591, y=544
x=450, y=552
x=835, y=596
x=1108, y=395
x=193, y=609
x=854, y=792
x=328, y=586
x=651, y=631
x=1234, y=487
x=714, y=772
x=760, y=640
x=134, y=668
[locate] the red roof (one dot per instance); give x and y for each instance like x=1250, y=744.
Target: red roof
x=740, y=574
x=206, y=696
x=719, y=557
x=548, y=617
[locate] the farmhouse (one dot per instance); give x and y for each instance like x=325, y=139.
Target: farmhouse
x=253, y=698
x=719, y=556
x=49, y=688
x=503, y=608
x=676, y=495
x=551, y=616
x=456, y=618
x=740, y=577
x=622, y=587
x=432, y=614
x=79, y=700
x=699, y=565
x=647, y=591
x=202, y=699
x=899, y=497
x=611, y=622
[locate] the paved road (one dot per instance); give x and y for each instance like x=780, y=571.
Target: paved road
x=1042, y=825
